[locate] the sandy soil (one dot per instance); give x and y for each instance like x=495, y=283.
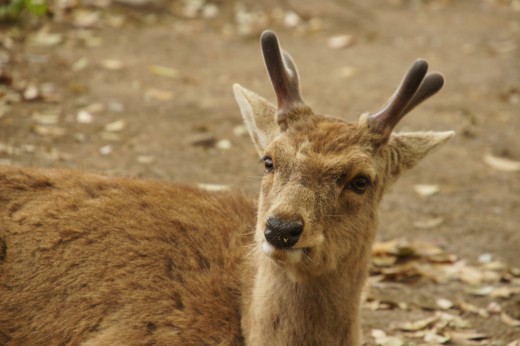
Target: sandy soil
x=111, y=68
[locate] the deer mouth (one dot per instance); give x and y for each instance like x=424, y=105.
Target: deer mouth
x=285, y=255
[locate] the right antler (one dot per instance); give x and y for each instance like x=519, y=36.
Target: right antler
x=283, y=74
x=414, y=89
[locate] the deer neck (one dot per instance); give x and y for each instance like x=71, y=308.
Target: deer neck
x=320, y=310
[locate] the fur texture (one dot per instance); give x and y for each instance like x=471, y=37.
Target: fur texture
x=90, y=260
x=310, y=294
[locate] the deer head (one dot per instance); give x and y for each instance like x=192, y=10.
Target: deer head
x=324, y=177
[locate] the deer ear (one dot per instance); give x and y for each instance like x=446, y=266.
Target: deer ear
x=259, y=117
x=408, y=148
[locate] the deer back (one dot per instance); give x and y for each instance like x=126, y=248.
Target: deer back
x=86, y=259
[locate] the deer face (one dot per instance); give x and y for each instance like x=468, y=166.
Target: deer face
x=323, y=176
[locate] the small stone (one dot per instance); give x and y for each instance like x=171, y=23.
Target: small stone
x=84, y=117
x=31, y=92
x=341, y=41
x=291, y=19
x=106, y=150
x=240, y=130
x=426, y=190
x=485, y=258
x=224, y=144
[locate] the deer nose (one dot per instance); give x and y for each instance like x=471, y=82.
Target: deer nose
x=282, y=233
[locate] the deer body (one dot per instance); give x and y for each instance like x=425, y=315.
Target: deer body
x=88, y=260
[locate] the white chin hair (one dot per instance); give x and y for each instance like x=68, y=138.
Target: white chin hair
x=292, y=256
x=267, y=248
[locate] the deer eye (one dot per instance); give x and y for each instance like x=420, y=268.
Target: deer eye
x=359, y=184
x=268, y=162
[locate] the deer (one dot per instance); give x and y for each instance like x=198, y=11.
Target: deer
x=87, y=259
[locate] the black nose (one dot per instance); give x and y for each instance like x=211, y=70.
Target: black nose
x=282, y=233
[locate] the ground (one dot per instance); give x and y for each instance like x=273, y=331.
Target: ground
x=145, y=90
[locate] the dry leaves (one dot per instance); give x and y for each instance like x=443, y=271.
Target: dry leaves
x=163, y=71
x=401, y=261
x=501, y=163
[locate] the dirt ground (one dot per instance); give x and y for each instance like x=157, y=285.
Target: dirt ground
x=146, y=91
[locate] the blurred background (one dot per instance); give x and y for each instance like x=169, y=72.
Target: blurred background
x=143, y=88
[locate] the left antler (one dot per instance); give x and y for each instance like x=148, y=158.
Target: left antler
x=414, y=89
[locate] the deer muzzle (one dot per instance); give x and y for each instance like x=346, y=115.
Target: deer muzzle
x=282, y=234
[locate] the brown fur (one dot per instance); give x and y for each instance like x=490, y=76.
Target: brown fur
x=107, y=261
x=312, y=297
x=90, y=260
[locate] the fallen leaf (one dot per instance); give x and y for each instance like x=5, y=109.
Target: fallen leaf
x=145, y=159
x=428, y=223
x=382, y=339
x=49, y=131
x=444, y=304
x=501, y=163
x=417, y=325
x=163, y=71
x=467, y=337
x=385, y=248
x=466, y=307
x=432, y=337
x=45, y=38
x=112, y=64
x=504, y=292
x=83, y=18
x=95, y=108
x=341, y=41
x=384, y=261
x=45, y=118
x=115, y=126
x=210, y=11
x=481, y=291
x=79, y=64
x=84, y=117
x=510, y=321
x=494, y=308
x=156, y=94
x=426, y=190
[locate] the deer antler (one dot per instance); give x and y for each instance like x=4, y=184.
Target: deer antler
x=414, y=89
x=283, y=74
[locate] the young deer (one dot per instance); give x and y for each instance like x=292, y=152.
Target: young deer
x=91, y=260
